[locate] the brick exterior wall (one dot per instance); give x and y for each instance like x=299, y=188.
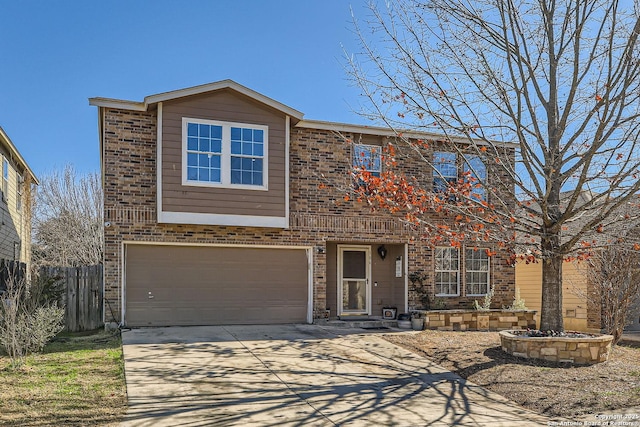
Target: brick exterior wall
x=318, y=214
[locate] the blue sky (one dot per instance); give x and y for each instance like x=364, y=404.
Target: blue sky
x=57, y=54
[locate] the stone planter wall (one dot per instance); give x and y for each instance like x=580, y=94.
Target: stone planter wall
x=586, y=351
x=473, y=320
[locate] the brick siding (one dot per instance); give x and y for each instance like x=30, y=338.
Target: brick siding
x=316, y=157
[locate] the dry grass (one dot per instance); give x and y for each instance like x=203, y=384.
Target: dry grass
x=547, y=388
x=78, y=380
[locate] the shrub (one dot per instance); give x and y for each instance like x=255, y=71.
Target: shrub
x=518, y=303
x=486, y=303
x=27, y=320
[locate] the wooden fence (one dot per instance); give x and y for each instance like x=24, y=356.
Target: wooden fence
x=82, y=296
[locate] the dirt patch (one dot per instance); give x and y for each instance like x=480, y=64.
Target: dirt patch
x=548, y=388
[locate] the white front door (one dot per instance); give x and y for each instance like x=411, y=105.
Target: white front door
x=354, y=284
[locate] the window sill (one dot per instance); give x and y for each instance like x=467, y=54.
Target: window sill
x=225, y=186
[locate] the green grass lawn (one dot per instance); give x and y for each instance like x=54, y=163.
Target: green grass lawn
x=78, y=380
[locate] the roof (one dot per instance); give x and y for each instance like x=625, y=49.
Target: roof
x=15, y=154
x=298, y=121
x=195, y=90
x=386, y=131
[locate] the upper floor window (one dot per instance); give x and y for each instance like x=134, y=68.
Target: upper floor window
x=224, y=154
x=447, y=280
x=445, y=171
x=5, y=179
x=477, y=272
x=16, y=251
x=19, y=192
x=367, y=158
x=478, y=171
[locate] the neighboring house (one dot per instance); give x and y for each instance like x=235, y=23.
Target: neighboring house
x=16, y=184
x=579, y=313
x=223, y=206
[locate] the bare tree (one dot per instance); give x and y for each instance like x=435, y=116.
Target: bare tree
x=613, y=274
x=557, y=81
x=67, y=229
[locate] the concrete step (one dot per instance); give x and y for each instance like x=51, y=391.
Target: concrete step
x=362, y=323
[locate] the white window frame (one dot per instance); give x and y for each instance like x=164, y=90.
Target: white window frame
x=457, y=271
x=17, y=250
x=5, y=179
x=468, y=270
x=358, y=165
x=19, y=192
x=225, y=162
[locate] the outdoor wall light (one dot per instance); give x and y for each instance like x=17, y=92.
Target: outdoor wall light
x=382, y=251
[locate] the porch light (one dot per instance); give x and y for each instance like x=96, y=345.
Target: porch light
x=382, y=251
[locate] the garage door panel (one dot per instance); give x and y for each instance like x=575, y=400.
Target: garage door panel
x=167, y=285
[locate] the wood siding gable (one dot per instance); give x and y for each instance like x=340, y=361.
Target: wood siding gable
x=218, y=205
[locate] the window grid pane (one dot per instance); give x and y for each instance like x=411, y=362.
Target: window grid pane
x=247, y=149
x=478, y=170
x=367, y=157
x=477, y=271
x=204, y=150
x=447, y=271
x=445, y=170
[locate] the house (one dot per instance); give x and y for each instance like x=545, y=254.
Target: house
x=581, y=311
x=15, y=207
x=224, y=206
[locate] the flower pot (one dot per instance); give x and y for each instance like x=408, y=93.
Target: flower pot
x=404, y=324
x=417, y=324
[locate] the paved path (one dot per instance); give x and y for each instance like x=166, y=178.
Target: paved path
x=297, y=375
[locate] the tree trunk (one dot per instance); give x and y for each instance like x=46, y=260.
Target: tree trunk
x=551, y=316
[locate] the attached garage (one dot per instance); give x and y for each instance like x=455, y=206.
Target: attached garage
x=214, y=285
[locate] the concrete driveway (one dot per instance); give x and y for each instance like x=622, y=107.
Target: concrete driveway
x=297, y=375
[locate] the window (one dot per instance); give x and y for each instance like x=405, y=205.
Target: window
x=247, y=150
x=19, y=192
x=224, y=154
x=368, y=158
x=445, y=170
x=476, y=167
x=204, y=152
x=477, y=272
x=16, y=251
x=447, y=279
x=5, y=179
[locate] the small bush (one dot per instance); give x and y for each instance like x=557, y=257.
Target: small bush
x=486, y=302
x=518, y=303
x=27, y=321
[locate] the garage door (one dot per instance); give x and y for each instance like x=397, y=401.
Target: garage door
x=184, y=285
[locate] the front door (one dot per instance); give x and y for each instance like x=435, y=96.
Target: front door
x=354, y=284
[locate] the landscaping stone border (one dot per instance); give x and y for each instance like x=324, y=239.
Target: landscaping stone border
x=475, y=320
x=578, y=350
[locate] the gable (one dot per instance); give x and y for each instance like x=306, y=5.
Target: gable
x=183, y=200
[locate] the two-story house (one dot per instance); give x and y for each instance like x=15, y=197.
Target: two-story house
x=224, y=206
x=15, y=207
